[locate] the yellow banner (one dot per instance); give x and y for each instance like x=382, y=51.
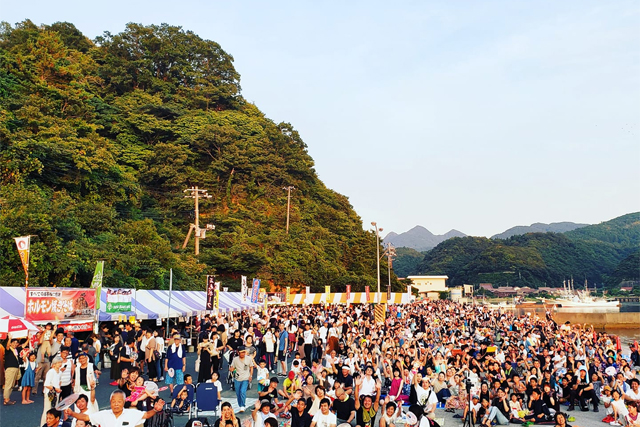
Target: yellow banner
x=23, y=244
x=287, y=298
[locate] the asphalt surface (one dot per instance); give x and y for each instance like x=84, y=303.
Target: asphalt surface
x=19, y=415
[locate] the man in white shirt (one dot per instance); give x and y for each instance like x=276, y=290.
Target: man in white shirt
x=324, y=417
x=117, y=416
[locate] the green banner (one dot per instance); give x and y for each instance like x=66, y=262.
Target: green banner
x=96, y=283
x=118, y=307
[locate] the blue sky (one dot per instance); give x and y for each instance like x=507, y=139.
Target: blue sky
x=477, y=116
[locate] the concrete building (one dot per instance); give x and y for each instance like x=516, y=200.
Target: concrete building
x=429, y=284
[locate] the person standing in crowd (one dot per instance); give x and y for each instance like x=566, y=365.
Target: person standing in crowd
x=283, y=345
x=242, y=368
x=175, y=363
x=150, y=348
x=11, y=370
x=51, y=387
x=66, y=372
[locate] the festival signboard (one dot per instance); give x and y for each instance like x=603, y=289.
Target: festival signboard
x=77, y=327
x=348, y=293
x=118, y=300
x=287, y=298
x=59, y=304
x=366, y=290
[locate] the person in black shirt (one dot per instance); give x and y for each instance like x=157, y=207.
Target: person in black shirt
x=549, y=397
x=271, y=392
x=299, y=415
x=344, y=407
x=585, y=392
x=345, y=379
x=538, y=411
x=500, y=409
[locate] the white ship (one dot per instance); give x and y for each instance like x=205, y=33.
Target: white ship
x=570, y=297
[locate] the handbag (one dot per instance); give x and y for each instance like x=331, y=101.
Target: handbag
x=156, y=354
x=51, y=395
x=197, y=368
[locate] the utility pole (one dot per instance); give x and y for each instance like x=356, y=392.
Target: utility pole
x=391, y=254
x=378, y=230
x=289, y=188
x=196, y=193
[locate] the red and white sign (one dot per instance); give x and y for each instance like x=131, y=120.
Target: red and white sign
x=366, y=290
x=60, y=304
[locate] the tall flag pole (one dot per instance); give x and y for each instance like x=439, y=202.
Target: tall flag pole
x=24, y=246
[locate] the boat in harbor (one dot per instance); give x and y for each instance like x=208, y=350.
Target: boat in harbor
x=572, y=298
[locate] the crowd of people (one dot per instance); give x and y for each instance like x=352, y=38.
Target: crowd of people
x=321, y=366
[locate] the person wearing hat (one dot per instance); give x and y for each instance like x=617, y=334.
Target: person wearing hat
x=176, y=360
x=242, y=369
x=262, y=412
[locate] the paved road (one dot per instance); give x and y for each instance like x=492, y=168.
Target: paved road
x=29, y=415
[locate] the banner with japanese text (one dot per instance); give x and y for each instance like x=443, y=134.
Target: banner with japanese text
x=255, y=290
x=58, y=304
x=211, y=291
x=348, y=293
x=366, y=290
x=77, y=327
x=287, y=298
x=388, y=292
x=119, y=300
x=96, y=283
x=24, y=244
x=327, y=291
x=243, y=289
x=307, y=293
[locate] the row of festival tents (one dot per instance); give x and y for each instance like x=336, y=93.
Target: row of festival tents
x=145, y=304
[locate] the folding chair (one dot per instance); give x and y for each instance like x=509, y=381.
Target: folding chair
x=206, y=399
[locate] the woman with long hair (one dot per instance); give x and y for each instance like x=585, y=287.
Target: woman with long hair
x=114, y=355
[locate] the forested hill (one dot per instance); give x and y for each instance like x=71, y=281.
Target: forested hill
x=98, y=140
x=603, y=254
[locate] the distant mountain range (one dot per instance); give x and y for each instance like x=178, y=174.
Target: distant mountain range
x=419, y=238
x=539, y=227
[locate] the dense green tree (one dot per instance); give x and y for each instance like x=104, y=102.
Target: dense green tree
x=98, y=140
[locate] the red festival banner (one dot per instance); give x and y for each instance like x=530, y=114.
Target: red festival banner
x=59, y=304
x=348, y=292
x=366, y=289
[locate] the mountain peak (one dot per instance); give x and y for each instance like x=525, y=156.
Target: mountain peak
x=419, y=238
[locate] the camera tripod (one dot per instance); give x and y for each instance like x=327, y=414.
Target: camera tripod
x=468, y=419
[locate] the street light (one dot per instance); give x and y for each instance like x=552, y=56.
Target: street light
x=378, y=230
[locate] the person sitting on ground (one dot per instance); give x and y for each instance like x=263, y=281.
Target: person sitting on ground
x=262, y=412
x=227, y=417
x=391, y=414
x=324, y=417
x=632, y=419
x=299, y=414
x=538, y=411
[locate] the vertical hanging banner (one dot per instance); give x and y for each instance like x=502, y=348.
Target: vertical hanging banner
x=409, y=290
x=366, y=292
x=388, y=294
x=327, y=292
x=96, y=284
x=211, y=291
x=255, y=290
x=306, y=295
x=216, y=295
x=243, y=288
x=24, y=246
x=287, y=297
x=380, y=313
x=348, y=294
